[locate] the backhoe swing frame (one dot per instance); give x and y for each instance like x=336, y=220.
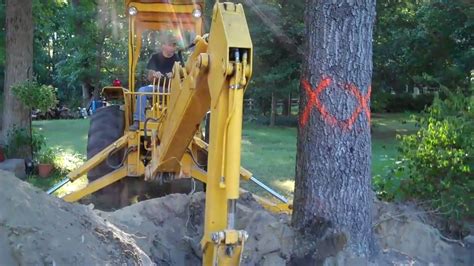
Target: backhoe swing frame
x=215, y=77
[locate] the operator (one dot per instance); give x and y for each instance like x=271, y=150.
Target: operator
x=159, y=67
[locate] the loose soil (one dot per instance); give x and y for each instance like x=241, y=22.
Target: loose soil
x=38, y=229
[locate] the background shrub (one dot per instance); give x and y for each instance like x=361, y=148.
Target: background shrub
x=407, y=102
x=18, y=137
x=436, y=163
x=34, y=95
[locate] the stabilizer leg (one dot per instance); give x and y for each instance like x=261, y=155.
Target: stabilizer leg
x=96, y=185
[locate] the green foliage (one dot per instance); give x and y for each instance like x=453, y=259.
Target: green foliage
x=416, y=43
x=277, y=31
x=423, y=44
x=403, y=102
x=63, y=162
x=379, y=101
x=66, y=161
x=97, y=50
x=19, y=137
x=48, y=45
x=34, y=95
x=84, y=45
x=437, y=163
x=2, y=43
x=382, y=102
x=46, y=156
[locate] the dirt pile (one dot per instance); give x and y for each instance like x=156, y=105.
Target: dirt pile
x=39, y=229
x=405, y=228
x=36, y=228
x=169, y=230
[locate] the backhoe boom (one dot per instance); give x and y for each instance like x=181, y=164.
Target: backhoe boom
x=167, y=143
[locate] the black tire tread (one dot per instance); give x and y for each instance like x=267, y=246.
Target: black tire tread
x=106, y=126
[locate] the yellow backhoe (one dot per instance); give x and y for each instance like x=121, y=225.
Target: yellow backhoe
x=171, y=145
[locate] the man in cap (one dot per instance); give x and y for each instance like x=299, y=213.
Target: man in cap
x=159, y=67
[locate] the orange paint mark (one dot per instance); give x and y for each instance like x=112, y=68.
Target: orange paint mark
x=313, y=98
x=314, y=101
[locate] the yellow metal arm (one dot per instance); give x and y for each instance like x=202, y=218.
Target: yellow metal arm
x=98, y=158
x=282, y=206
x=215, y=77
x=87, y=166
x=98, y=184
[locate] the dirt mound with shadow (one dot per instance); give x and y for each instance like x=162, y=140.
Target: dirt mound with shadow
x=38, y=229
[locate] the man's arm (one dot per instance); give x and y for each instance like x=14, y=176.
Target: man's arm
x=151, y=65
x=152, y=74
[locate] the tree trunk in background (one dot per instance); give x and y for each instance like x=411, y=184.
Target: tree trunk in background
x=286, y=109
x=86, y=84
x=85, y=94
x=273, y=111
x=18, y=67
x=333, y=195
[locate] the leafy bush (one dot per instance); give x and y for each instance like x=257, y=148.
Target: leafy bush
x=403, y=102
x=437, y=162
x=46, y=156
x=18, y=137
x=66, y=161
x=34, y=95
x=379, y=101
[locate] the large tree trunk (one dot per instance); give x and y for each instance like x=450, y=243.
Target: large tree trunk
x=333, y=180
x=18, y=66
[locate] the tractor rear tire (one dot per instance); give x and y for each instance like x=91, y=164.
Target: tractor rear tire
x=106, y=126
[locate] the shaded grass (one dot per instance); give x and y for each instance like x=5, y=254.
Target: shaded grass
x=269, y=153
x=385, y=128
x=69, y=135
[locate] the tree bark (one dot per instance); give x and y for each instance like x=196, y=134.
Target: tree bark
x=18, y=67
x=333, y=181
x=87, y=93
x=286, y=110
x=273, y=111
x=87, y=81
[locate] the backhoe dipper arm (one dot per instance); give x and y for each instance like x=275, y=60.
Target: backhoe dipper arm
x=215, y=78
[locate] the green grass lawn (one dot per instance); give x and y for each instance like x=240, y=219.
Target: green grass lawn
x=70, y=135
x=385, y=127
x=267, y=152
